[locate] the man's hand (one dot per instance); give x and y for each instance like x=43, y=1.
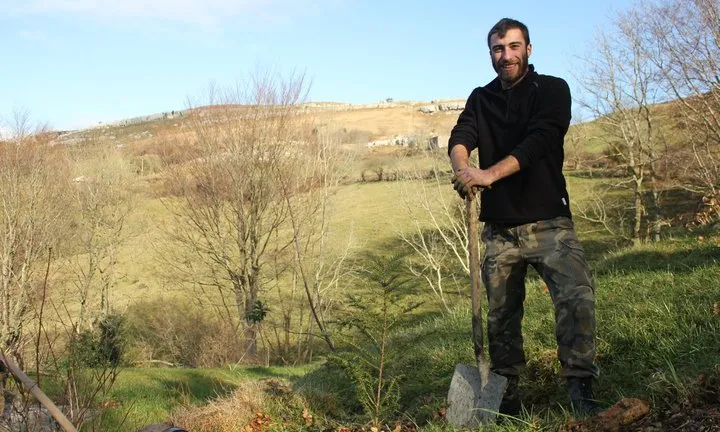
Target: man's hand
x=475, y=177
x=459, y=187
x=467, y=178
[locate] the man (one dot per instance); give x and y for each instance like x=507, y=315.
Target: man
x=517, y=123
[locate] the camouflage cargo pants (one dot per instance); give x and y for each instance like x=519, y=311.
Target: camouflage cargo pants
x=553, y=249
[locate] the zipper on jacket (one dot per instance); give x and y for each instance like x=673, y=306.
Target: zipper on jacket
x=509, y=98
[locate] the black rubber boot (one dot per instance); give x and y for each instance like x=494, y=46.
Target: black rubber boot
x=510, y=404
x=581, y=396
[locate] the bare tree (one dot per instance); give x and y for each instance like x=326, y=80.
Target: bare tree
x=33, y=232
x=319, y=264
x=439, y=234
x=601, y=207
x=32, y=219
x=100, y=202
x=234, y=198
x=620, y=85
x=682, y=40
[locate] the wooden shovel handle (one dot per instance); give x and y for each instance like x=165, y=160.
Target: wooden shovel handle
x=473, y=221
x=35, y=390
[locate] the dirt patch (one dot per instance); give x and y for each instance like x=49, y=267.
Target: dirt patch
x=634, y=415
x=699, y=419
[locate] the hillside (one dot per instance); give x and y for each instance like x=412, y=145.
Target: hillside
x=367, y=212
x=361, y=123
x=389, y=197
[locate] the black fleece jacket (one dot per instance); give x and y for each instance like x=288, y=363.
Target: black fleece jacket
x=528, y=121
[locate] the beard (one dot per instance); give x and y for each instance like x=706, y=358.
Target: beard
x=512, y=76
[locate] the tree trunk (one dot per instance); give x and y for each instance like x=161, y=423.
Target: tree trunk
x=654, y=216
x=251, y=333
x=638, y=207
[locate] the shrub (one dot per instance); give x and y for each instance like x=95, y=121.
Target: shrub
x=102, y=345
x=177, y=332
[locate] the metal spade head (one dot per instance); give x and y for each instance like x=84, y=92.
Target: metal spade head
x=474, y=398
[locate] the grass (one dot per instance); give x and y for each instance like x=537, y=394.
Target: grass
x=657, y=328
x=147, y=396
x=368, y=215
x=656, y=332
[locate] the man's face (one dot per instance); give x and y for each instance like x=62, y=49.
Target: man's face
x=510, y=56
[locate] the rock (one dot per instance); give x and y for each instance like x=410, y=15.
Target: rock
x=428, y=109
x=451, y=106
x=399, y=140
x=438, y=141
x=161, y=428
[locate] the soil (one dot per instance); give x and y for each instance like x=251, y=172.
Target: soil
x=681, y=419
x=634, y=415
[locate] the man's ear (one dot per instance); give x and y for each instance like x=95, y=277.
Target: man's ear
x=529, y=49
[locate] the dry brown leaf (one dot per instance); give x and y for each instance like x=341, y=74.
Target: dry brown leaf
x=307, y=417
x=716, y=308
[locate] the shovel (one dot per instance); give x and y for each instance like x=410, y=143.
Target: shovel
x=475, y=392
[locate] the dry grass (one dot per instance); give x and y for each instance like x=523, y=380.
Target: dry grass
x=246, y=409
x=225, y=414
x=383, y=123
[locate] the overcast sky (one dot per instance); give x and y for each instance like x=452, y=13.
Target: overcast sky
x=74, y=63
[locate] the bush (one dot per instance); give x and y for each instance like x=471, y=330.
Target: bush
x=175, y=331
x=101, y=346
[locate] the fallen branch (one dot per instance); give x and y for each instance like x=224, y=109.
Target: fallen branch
x=35, y=390
x=623, y=413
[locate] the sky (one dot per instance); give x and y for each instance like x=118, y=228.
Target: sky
x=76, y=63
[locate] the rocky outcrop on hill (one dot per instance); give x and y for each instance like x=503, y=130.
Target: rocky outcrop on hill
x=398, y=140
x=336, y=106
x=152, y=117
x=442, y=106
x=451, y=106
x=438, y=141
x=433, y=142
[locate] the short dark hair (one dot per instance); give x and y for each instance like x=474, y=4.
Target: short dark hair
x=506, y=24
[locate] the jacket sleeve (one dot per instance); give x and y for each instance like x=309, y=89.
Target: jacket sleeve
x=466, y=129
x=548, y=123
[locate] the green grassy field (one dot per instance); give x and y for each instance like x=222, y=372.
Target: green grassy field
x=656, y=307
x=145, y=396
x=657, y=334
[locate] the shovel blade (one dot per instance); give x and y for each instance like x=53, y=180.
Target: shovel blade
x=473, y=401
